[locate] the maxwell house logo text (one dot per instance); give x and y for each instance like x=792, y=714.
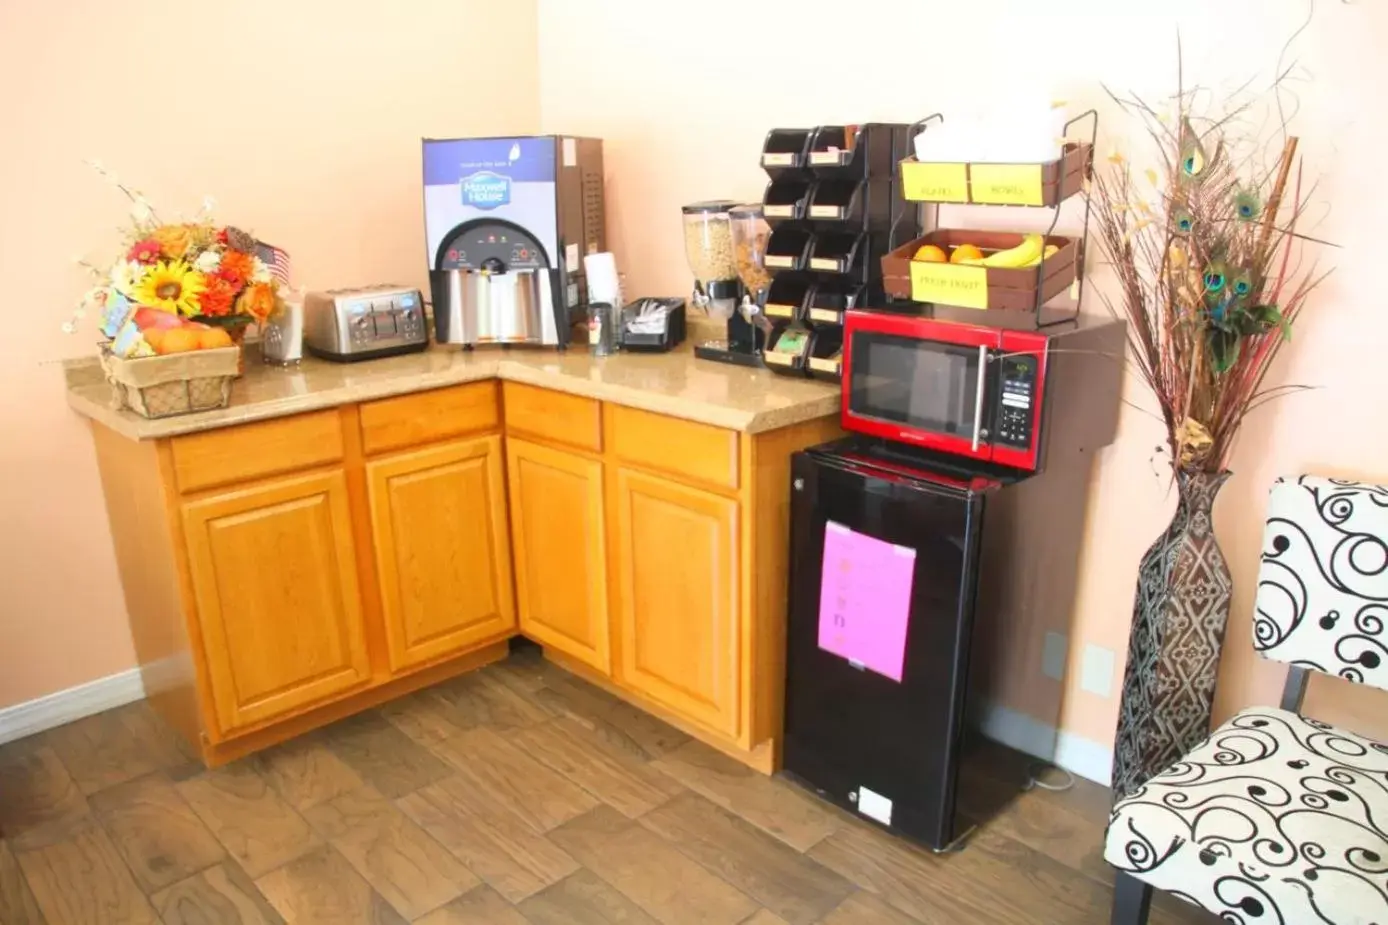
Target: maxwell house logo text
x=486, y=190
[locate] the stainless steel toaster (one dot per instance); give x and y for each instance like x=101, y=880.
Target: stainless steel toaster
x=364, y=323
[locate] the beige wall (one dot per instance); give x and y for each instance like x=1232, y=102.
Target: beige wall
x=683, y=99
x=302, y=118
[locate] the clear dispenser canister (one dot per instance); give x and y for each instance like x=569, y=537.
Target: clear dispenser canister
x=750, y=234
x=708, y=246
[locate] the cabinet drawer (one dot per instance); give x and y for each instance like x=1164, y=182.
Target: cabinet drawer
x=697, y=451
x=425, y=417
x=552, y=415
x=251, y=451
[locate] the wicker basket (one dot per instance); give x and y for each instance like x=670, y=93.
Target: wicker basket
x=179, y=383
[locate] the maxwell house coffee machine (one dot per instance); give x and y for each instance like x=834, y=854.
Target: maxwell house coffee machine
x=507, y=223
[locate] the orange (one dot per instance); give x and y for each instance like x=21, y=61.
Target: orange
x=212, y=338
x=178, y=340
x=155, y=337
x=929, y=253
x=965, y=252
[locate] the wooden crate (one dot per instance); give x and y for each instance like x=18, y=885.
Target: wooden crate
x=974, y=286
x=1045, y=184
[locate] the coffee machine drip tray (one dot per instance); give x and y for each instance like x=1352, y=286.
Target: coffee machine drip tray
x=493, y=285
x=720, y=351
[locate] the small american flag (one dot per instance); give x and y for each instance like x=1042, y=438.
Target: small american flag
x=276, y=260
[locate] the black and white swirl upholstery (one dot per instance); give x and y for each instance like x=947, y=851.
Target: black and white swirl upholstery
x=1278, y=818
x=1323, y=588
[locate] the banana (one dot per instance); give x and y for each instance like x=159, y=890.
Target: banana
x=1019, y=256
x=1044, y=255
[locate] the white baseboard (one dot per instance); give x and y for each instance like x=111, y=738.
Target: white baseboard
x=33, y=716
x=1076, y=754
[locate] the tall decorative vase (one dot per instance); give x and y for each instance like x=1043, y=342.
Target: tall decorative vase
x=1179, y=614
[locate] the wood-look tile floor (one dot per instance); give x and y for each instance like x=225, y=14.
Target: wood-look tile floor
x=517, y=795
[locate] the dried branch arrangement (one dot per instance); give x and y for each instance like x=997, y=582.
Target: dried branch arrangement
x=1206, y=251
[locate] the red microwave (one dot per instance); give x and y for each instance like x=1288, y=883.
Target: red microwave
x=968, y=389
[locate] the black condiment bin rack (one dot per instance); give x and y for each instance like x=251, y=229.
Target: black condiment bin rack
x=872, y=154
x=837, y=201
x=786, y=152
x=787, y=297
x=788, y=248
x=824, y=359
x=786, y=199
x=828, y=301
x=838, y=252
x=789, y=363
x=827, y=251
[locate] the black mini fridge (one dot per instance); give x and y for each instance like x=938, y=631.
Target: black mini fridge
x=885, y=559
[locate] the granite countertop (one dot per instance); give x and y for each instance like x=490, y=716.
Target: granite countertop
x=674, y=383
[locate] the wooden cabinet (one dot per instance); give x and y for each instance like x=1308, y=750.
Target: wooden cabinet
x=679, y=624
x=273, y=573
x=443, y=557
x=283, y=574
x=560, y=549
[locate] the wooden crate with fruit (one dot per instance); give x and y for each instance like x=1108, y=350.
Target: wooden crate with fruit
x=982, y=269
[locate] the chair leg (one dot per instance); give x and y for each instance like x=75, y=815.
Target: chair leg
x=1132, y=899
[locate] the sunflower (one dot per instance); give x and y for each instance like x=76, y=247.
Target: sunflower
x=171, y=286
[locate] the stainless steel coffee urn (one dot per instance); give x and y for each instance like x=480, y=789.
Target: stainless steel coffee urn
x=507, y=223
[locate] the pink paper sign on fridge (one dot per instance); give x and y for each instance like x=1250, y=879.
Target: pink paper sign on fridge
x=865, y=599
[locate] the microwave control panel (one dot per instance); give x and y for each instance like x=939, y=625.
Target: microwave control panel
x=1013, y=420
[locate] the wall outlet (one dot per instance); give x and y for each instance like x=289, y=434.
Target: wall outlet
x=1053, y=656
x=1096, y=672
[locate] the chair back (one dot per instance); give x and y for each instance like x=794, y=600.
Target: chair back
x=1322, y=597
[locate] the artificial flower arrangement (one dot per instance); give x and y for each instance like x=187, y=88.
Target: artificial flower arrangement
x=179, y=286
x=1210, y=276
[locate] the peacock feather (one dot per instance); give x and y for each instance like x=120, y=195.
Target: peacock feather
x=1216, y=278
x=1218, y=295
x=1247, y=205
x=1196, y=157
x=1241, y=284
x=1193, y=157
x=1182, y=221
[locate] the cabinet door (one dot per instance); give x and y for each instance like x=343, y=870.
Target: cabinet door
x=557, y=520
x=680, y=626
x=443, y=554
x=274, y=578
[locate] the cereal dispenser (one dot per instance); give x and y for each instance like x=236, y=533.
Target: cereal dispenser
x=708, y=246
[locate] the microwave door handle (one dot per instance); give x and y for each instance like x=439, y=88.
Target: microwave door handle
x=978, y=392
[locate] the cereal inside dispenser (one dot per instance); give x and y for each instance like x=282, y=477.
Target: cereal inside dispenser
x=750, y=233
x=708, y=246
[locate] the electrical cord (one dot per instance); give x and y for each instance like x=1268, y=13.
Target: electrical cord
x=1034, y=778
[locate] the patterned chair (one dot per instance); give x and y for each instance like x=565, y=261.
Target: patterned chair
x=1278, y=818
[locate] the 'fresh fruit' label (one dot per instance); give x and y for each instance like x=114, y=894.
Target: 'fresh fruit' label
x=1007, y=184
x=949, y=284
x=935, y=182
